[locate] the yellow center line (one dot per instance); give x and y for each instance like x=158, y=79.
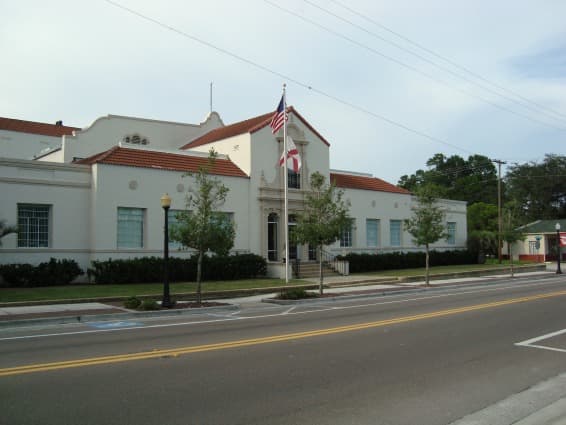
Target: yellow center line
x=174, y=352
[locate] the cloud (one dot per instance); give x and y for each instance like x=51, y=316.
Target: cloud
x=546, y=63
x=77, y=61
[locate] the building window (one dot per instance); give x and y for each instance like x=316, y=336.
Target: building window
x=395, y=232
x=451, y=231
x=33, y=225
x=293, y=179
x=130, y=227
x=173, y=221
x=346, y=239
x=272, y=240
x=372, y=232
x=222, y=217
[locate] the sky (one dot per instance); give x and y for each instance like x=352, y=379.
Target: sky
x=389, y=83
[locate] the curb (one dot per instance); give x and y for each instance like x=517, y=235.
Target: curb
x=392, y=291
x=113, y=316
x=378, y=293
x=181, y=296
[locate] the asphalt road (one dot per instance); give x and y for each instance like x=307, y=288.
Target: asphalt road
x=411, y=359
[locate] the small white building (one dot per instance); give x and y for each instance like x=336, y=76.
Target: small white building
x=540, y=242
x=96, y=194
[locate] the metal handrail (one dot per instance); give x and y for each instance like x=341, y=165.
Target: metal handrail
x=337, y=265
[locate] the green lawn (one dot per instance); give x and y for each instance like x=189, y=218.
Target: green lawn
x=95, y=291
x=77, y=292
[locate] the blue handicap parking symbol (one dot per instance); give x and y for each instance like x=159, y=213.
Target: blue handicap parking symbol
x=113, y=325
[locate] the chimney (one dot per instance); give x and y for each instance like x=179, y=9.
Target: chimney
x=59, y=123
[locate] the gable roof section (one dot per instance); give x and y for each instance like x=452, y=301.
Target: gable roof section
x=247, y=126
x=129, y=157
x=20, y=126
x=543, y=226
x=348, y=181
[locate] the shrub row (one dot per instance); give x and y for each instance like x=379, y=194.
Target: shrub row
x=150, y=269
x=360, y=263
x=54, y=272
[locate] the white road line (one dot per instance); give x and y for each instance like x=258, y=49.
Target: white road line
x=542, y=337
x=231, y=319
x=531, y=342
x=543, y=347
x=289, y=310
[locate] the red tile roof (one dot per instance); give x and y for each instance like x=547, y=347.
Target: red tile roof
x=53, y=130
x=161, y=160
x=247, y=126
x=348, y=181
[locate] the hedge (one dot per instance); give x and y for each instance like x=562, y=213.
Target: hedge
x=54, y=272
x=150, y=269
x=360, y=263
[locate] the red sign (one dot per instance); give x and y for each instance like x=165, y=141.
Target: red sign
x=562, y=239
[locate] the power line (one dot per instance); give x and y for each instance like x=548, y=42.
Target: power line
x=410, y=67
x=287, y=77
x=443, y=58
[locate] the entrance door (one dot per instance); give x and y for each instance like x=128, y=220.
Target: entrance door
x=293, y=246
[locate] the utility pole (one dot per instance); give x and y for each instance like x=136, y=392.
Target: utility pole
x=499, y=163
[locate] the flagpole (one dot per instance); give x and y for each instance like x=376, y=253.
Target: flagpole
x=286, y=174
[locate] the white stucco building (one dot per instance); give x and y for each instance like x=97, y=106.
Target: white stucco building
x=95, y=194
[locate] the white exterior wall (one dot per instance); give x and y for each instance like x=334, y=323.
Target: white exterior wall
x=456, y=211
x=132, y=187
x=386, y=206
x=66, y=189
x=107, y=132
x=14, y=144
x=237, y=148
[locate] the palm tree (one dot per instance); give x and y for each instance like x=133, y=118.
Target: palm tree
x=6, y=230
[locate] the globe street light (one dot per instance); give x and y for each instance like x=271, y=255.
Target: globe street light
x=165, y=204
x=557, y=227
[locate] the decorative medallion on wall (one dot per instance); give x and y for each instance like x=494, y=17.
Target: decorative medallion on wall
x=133, y=185
x=180, y=188
x=135, y=139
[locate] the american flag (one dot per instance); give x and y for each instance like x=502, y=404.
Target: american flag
x=279, y=117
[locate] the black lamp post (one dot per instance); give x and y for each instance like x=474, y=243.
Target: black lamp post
x=557, y=227
x=165, y=204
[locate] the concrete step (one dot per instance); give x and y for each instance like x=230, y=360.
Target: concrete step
x=311, y=269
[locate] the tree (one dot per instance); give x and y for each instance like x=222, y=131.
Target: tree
x=482, y=228
x=539, y=189
x=472, y=180
x=201, y=227
x=427, y=223
x=6, y=230
x=324, y=217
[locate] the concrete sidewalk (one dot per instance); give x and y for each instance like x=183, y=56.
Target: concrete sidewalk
x=542, y=404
